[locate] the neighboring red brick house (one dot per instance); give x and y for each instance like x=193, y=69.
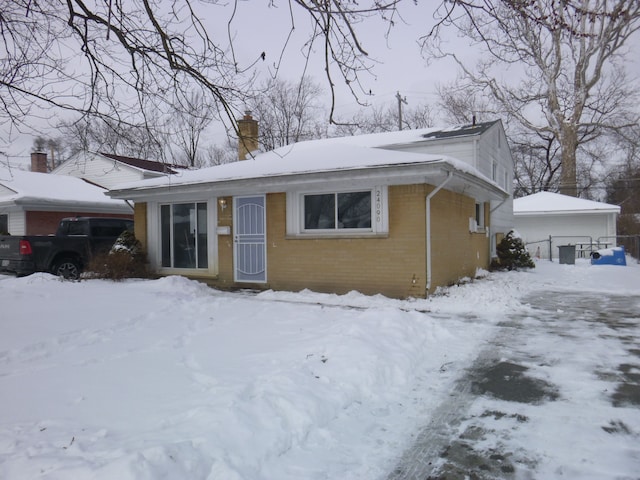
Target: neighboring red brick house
x=33, y=203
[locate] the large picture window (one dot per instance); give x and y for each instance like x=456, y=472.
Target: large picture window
x=339, y=214
x=329, y=211
x=183, y=233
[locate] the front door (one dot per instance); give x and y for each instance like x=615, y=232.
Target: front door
x=250, y=251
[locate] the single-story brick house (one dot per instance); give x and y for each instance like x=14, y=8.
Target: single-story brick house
x=399, y=213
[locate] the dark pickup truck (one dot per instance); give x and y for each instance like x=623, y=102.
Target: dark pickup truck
x=76, y=241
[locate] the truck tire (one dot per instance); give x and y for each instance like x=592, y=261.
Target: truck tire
x=67, y=268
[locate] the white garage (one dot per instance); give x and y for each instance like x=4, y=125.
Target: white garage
x=547, y=220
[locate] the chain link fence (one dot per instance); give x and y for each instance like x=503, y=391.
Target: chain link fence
x=547, y=249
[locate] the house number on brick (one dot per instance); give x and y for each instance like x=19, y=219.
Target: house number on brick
x=378, y=205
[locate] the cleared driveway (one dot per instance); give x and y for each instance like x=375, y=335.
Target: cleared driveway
x=555, y=394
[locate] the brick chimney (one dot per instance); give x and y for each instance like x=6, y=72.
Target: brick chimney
x=39, y=162
x=247, y=136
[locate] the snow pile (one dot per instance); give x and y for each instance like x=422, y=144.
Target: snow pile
x=171, y=379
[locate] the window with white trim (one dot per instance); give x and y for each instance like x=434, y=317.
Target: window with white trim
x=338, y=213
x=183, y=235
x=4, y=224
x=479, y=215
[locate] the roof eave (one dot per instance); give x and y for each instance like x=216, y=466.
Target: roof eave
x=564, y=212
x=395, y=174
x=27, y=203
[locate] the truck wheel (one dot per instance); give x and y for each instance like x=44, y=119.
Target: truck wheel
x=67, y=268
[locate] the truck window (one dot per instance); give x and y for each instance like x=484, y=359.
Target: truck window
x=77, y=228
x=108, y=228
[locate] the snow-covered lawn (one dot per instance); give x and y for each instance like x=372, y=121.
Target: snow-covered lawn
x=169, y=379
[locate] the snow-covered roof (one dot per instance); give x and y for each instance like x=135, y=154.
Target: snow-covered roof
x=362, y=153
x=557, y=204
x=44, y=189
x=405, y=137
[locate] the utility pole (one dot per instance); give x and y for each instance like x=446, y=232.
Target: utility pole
x=400, y=102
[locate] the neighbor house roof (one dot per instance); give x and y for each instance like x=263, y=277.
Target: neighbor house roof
x=558, y=204
x=318, y=161
x=30, y=189
x=148, y=165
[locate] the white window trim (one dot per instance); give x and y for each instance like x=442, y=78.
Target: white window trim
x=154, y=241
x=477, y=222
x=379, y=215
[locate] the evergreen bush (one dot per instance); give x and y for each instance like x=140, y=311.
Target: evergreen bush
x=512, y=254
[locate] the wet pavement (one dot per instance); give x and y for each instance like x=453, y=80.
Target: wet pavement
x=517, y=367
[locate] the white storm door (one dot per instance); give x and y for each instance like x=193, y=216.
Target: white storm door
x=250, y=249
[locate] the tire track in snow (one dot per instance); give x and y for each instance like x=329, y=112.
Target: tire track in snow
x=419, y=462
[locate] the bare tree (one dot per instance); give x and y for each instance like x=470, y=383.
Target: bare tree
x=104, y=135
x=288, y=112
x=219, y=155
x=191, y=117
x=567, y=54
x=377, y=119
x=536, y=164
x=118, y=60
x=459, y=103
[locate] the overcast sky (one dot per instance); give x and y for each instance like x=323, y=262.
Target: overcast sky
x=257, y=28
x=399, y=66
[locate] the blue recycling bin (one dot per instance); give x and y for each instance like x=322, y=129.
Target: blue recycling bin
x=609, y=256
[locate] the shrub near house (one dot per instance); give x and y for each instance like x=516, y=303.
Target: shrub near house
x=512, y=254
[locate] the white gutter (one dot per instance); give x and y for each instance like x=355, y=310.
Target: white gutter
x=428, y=227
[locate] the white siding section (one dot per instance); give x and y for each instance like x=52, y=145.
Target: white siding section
x=15, y=215
x=5, y=192
x=462, y=149
x=481, y=152
x=568, y=229
x=16, y=220
x=100, y=170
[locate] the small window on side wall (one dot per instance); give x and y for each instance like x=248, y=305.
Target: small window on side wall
x=4, y=224
x=479, y=218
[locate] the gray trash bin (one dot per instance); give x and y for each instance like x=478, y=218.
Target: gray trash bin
x=567, y=254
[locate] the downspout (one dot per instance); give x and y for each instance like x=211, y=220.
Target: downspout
x=428, y=227
x=490, y=230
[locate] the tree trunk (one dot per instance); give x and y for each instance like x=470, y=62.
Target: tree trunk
x=568, y=177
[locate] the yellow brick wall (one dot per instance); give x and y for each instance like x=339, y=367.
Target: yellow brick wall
x=456, y=252
x=225, y=245
x=140, y=224
x=394, y=265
